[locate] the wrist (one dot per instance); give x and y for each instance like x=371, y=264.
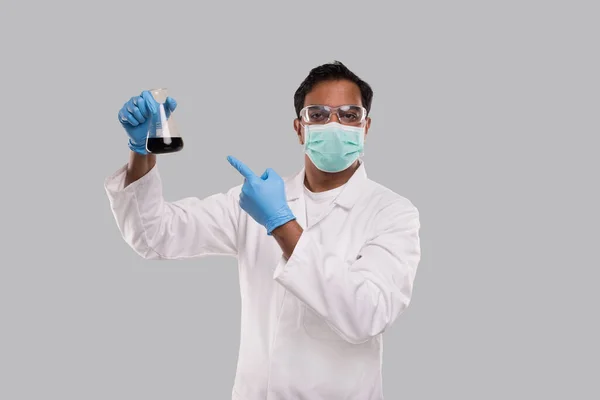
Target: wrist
x=281, y=217
x=282, y=229
x=138, y=148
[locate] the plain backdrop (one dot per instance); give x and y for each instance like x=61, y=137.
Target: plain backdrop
x=485, y=116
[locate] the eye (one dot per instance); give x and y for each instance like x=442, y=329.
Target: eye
x=316, y=116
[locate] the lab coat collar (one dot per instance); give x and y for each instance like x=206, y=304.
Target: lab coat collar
x=347, y=198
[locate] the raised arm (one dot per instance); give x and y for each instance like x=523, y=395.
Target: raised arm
x=159, y=229
x=152, y=226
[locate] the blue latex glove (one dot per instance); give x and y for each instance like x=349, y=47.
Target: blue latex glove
x=263, y=198
x=135, y=116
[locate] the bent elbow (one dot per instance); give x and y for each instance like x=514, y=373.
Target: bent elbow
x=363, y=335
x=363, y=332
x=150, y=254
x=357, y=339
x=136, y=240
x=381, y=319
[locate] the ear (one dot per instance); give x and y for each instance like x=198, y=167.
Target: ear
x=298, y=130
x=367, y=126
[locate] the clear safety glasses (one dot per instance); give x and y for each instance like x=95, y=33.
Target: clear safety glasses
x=347, y=114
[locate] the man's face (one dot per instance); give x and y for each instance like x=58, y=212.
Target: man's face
x=332, y=94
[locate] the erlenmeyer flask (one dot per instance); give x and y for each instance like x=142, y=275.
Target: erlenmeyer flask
x=163, y=135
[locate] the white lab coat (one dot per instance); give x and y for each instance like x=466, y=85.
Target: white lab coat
x=311, y=327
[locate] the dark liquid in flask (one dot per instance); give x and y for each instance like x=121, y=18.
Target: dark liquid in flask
x=164, y=145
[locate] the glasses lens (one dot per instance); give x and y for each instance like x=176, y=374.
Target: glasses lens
x=316, y=114
x=351, y=114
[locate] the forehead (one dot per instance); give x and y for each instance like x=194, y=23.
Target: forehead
x=334, y=93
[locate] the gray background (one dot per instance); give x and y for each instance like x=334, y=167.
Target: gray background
x=485, y=115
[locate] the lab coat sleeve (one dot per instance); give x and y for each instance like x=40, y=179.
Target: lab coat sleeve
x=158, y=229
x=359, y=299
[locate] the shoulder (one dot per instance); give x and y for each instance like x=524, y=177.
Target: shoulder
x=235, y=190
x=381, y=198
x=389, y=213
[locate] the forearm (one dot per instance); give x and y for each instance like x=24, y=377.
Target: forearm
x=185, y=228
x=360, y=298
x=287, y=236
x=139, y=165
x=351, y=297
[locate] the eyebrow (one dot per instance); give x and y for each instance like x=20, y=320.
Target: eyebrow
x=341, y=105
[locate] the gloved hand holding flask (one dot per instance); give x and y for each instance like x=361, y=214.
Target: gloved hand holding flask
x=148, y=123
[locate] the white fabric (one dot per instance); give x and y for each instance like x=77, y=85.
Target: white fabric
x=311, y=327
x=317, y=203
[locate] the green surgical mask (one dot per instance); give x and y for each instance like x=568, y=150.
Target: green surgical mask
x=333, y=147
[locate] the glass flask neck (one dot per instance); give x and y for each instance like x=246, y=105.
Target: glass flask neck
x=160, y=94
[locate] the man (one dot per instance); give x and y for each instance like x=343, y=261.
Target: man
x=327, y=258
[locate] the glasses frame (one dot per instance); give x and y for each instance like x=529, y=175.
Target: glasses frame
x=331, y=110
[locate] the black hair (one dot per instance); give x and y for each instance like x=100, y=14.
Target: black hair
x=331, y=72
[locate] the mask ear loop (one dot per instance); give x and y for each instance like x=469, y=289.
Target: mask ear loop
x=363, y=139
x=305, y=136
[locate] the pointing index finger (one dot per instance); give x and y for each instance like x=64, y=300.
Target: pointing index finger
x=241, y=167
